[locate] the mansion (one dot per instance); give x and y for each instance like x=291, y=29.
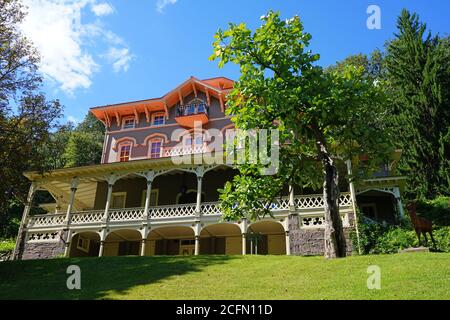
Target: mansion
x=137, y=201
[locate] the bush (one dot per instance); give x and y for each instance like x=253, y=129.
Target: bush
x=395, y=239
x=7, y=245
x=436, y=210
x=442, y=238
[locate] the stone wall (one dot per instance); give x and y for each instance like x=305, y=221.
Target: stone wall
x=42, y=250
x=307, y=242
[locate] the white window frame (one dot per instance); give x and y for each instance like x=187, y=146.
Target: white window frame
x=119, y=150
x=158, y=114
x=128, y=118
x=114, y=194
x=144, y=194
x=150, y=147
x=83, y=240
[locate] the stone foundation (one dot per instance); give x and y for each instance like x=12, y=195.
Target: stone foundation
x=307, y=242
x=42, y=249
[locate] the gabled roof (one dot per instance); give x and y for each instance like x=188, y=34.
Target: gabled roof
x=217, y=87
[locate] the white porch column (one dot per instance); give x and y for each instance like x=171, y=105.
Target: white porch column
x=291, y=198
x=26, y=212
x=102, y=242
x=197, y=230
x=353, y=196
x=244, y=236
x=111, y=180
x=199, y=171
x=73, y=190
x=396, y=191
x=67, y=244
x=286, y=231
x=149, y=176
x=144, y=233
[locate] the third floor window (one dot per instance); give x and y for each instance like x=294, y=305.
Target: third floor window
x=158, y=120
x=128, y=123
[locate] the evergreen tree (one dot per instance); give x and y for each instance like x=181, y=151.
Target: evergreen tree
x=418, y=70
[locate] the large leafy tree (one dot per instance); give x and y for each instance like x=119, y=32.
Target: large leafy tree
x=85, y=143
x=321, y=117
x=26, y=117
x=418, y=71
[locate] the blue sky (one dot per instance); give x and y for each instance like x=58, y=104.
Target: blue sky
x=98, y=52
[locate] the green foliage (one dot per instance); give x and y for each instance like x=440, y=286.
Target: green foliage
x=395, y=239
x=436, y=210
x=418, y=73
x=82, y=149
x=442, y=238
x=7, y=245
x=281, y=87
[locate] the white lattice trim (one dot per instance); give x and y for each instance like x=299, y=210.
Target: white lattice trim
x=43, y=237
x=181, y=210
x=46, y=220
x=131, y=214
x=87, y=217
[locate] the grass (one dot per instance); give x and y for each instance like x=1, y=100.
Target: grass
x=403, y=276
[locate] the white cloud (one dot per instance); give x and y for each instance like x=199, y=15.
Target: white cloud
x=65, y=43
x=73, y=119
x=161, y=4
x=120, y=58
x=102, y=9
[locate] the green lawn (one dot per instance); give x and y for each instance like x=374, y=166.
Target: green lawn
x=403, y=276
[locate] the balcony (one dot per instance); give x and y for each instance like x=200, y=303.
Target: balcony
x=309, y=207
x=187, y=115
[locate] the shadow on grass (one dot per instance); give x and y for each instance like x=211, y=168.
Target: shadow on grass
x=46, y=279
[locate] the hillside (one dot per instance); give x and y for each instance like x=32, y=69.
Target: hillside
x=403, y=276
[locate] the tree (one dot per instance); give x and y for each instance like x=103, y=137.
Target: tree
x=85, y=144
x=26, y=117
x=321, y=117
x=418, y=71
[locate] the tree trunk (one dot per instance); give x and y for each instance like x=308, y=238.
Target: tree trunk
x=335, y=245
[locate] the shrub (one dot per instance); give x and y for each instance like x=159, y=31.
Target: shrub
x=395, y=239
x=442, y=239
x=7, y=245
x=436, y=210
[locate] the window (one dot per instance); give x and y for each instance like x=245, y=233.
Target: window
x=124, y=152
x=128, y=123
x=158, y=119
x=192, y=141
x=155, y=149
x=118, y=200
x=83, y=244
x=153, y=197
x=369, y=210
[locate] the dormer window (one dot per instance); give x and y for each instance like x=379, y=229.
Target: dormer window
x=128, y=123
x=158, y=119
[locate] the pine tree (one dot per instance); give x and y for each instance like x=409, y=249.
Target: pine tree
x=418, y=70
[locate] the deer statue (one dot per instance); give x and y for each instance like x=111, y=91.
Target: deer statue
x=421, y=225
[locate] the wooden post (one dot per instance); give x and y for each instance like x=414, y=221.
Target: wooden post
x=353, y=196
x=26, y=212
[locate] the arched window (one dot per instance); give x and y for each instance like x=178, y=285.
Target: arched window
x=155, y=148
x=124, y=151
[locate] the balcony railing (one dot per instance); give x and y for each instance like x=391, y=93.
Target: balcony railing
x=184, y=150
x=309, y=207
x=192, y=109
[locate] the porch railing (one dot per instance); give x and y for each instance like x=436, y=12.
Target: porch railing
x=308, y=206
